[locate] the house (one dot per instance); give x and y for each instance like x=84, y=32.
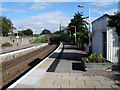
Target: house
x=14, y=30
x=105, y=39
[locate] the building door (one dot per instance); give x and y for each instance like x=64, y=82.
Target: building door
x=104, y=44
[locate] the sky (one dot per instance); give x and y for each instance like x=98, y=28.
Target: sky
x=40, y=15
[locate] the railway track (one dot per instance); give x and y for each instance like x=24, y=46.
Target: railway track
x=15, y=67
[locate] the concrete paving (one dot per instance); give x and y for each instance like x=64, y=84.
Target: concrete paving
x=14, y=48
x=59, y=72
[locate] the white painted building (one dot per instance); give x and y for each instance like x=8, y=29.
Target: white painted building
x=105, y=39
x=14, y=30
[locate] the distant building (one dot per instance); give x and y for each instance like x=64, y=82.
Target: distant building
x=14, y=30
x=105, y=39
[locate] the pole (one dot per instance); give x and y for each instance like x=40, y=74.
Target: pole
x=75, y=36
x=17, y=40
x=89, y=30
x=89, y=25
x=70, y=33
x=22, y=36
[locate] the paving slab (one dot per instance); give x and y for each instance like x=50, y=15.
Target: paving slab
x=97, y=78
x=23, y=86
x=62, y=82
x=104, y=83
x=63, y=74
x=48, y=86
x=91, y=87
x=69, y=78
x=77, y=83
x=83, y=78
x=103, y=87
x=76, y=74
x=107, y=78
x=69, y=86
x=91, y=82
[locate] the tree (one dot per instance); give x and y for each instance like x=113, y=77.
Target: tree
x=28, y=32
x=115, y=22
x=81, y=28
x=36, y=35
x=59, y=32
x=45, y=31
x=6, y=25
x=20, y=33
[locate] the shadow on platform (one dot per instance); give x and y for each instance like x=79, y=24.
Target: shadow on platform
x=70, y=56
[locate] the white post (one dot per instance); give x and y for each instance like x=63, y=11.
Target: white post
x=22, y=37
x=17, y=39
x=70, y=33
x=89, y=24
x=107, y=46
x=89, y=30
x=75, y=34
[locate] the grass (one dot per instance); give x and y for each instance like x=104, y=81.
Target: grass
x=42, y=40
x=7, y=44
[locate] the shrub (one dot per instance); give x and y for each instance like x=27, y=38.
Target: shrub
x=100, y=58
x=42, y=40
x=92, y=56
x=6, y=44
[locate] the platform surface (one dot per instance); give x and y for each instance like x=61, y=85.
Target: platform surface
x=59, y=71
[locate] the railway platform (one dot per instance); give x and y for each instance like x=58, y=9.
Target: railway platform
x=15, y=48
x=58, y=71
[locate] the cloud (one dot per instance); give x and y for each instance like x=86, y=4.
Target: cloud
x=101, y=4
x=50, y=20
x=40, y=5
x=60, y=0
x=21, y=4
x=75, y=0
x=110, y=12
x=11, y=10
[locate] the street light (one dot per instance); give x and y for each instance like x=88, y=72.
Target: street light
x=89, y=23
x=22, y=37
x=70, y=33
x=17, y=39
x=75, y=34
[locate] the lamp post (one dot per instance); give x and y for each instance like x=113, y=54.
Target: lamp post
x=22, y=37
x=75, y=35
x=17, y=39
x=70, y=33
x=89, y=23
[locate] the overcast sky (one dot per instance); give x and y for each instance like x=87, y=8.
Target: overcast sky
x=40, y=15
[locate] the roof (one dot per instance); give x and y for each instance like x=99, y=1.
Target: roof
x=105, y=15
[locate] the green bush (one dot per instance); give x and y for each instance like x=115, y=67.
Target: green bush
x=100, y=58
x=6, y=44
x=92, y=56
x=42, y=40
